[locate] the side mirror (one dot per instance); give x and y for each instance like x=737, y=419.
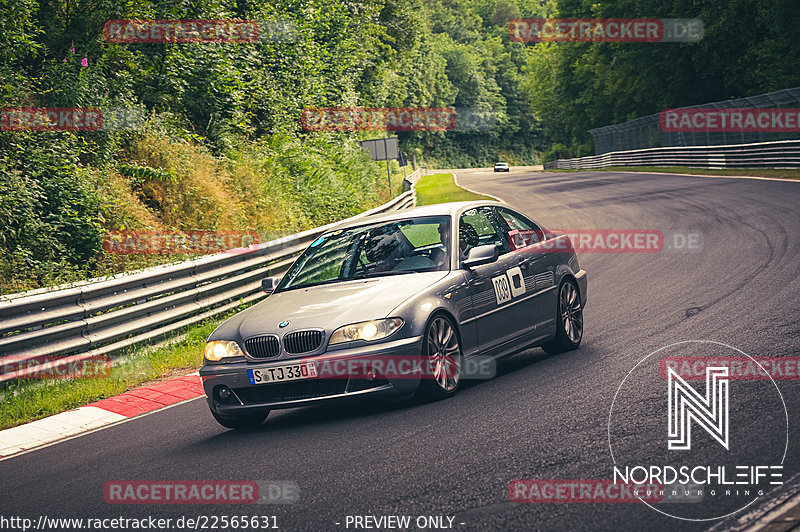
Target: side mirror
x=481, y=255
x=269, y=284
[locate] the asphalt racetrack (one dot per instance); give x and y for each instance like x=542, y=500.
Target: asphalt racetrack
x=542, y=417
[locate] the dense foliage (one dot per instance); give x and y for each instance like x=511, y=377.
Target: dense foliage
x=222, y=146
x=749, y=47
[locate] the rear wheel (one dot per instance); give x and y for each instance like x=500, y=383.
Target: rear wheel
x=569, y=322
x=244, y=421
x=441, y=353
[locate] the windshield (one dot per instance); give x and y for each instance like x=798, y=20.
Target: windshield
x=388, y=248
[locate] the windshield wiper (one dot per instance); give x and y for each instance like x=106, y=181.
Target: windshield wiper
x=359, y=275
x=364, y=275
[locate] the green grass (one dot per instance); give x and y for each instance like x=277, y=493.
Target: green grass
x=24, y=401
x=441, y=188
x=421, y=235
x=752, y=172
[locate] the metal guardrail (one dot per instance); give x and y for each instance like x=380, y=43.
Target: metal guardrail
x=107, y=317
x=779, y=154
x=410, y=181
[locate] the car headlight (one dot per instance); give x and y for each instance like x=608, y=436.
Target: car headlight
x=216, y=351
x=366, y=330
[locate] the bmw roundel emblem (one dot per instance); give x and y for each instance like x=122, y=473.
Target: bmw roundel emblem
x=283, y=324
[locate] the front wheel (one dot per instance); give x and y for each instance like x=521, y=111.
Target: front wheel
x=245, y=421
x=569, y=321
x=441, y=353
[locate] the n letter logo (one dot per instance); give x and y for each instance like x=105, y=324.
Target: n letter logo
x=687, y=405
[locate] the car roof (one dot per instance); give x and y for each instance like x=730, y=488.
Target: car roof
x=438, y=209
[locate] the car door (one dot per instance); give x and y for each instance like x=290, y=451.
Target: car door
x=537, y=262
x=503, y=315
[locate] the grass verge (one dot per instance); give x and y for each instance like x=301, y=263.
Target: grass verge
x=788, y=173
x=24, y=401
x=441, y=188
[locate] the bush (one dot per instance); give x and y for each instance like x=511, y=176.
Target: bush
x=556, y=151
x=583, y=149
x=49, y=214
x=54, y=210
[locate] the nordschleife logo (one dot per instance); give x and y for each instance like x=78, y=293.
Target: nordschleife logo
x=685, y=405
x=726, y=436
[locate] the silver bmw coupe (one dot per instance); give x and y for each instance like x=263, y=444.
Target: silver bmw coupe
x=397, y=304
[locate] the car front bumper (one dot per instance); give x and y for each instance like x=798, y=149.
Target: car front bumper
x=251, y=398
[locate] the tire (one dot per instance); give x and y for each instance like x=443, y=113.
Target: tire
x=441, y=352
x=569, y=320
x=246, y=421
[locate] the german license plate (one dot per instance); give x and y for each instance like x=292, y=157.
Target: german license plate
x=286, y=372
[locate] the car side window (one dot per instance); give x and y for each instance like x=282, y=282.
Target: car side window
x=520, y=231
x=479, y=227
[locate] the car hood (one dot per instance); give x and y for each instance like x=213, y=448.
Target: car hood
x=328, y=306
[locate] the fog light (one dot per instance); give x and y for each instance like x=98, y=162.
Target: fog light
x=224, y=395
